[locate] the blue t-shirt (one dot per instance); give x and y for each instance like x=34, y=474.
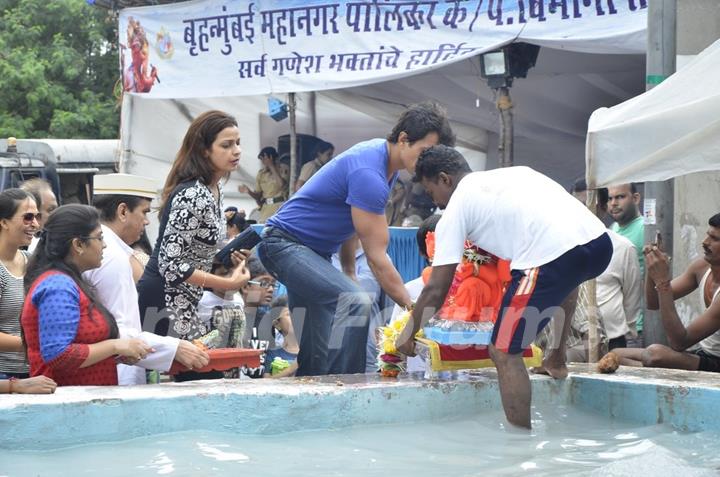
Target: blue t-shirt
x=319, y=213
x=278, y=353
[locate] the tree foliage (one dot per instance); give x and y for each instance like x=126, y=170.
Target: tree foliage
x=58, y=66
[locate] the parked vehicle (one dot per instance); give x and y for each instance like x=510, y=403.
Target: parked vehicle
x=68, y=164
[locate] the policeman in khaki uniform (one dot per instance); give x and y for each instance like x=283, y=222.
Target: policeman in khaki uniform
x=271, y=184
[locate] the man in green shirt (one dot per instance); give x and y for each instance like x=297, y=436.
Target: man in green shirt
x=624, y=207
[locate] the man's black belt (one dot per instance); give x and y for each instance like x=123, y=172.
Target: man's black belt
x=273, y=200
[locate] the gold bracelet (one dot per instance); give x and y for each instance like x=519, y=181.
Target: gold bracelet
x=205, y=274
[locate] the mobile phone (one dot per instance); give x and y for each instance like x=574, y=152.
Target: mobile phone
x=246, y=240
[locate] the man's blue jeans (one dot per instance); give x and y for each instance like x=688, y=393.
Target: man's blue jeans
x=372, y=288
x=329, y=311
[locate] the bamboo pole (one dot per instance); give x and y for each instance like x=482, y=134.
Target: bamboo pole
x=293, y=142
x=592, y=311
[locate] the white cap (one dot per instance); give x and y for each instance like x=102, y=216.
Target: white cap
x=125, y=184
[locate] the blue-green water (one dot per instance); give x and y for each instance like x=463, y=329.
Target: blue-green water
x=563, y=441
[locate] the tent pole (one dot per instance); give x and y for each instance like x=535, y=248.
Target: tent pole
x=312, y=102
x=661, y=53
x=293, y=142
x=505, y=144
x=592, y=308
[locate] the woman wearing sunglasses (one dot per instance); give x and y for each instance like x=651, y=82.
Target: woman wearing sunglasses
x=70, y=336
x=18, y=224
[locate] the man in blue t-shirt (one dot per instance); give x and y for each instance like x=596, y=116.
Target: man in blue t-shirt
x=343, y=202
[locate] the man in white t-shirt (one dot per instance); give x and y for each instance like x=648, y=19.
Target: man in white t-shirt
x=123, y=201
x=552, y=241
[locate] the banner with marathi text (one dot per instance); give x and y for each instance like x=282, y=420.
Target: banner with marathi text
x=210, y=48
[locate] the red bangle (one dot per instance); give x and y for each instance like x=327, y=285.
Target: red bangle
x=11, y=380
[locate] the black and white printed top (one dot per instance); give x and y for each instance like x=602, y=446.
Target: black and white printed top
x=12, y=296
x=192, y=226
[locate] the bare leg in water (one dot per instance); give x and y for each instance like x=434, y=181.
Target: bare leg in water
x=515, y=391
x=555, y=361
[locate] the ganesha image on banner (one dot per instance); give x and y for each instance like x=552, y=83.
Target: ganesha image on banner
x=140, y=75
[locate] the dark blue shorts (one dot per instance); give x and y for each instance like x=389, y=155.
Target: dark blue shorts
x=708, y=362
x=535, y=294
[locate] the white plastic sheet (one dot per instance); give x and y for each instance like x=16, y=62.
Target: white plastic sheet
x=669, y=131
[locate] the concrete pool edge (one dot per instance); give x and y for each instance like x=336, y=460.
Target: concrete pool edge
x=685, y=400
x=78, y=415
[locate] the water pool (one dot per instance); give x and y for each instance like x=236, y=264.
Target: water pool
x=660, y=423
x=564, y=441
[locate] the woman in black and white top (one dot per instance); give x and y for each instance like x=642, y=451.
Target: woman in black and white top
x=191, y=225
x=18, y=225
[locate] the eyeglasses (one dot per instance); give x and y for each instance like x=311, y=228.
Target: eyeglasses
x=262, y=284
x=29, y=217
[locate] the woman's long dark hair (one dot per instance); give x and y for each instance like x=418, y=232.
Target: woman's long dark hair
x=66, y=223
x=190, y=162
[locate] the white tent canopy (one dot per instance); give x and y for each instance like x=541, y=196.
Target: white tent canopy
x=669, y=131
x=153, y=129
x=552, y=107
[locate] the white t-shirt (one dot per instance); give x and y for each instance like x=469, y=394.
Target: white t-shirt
x=619, y=289
x=210, y=300
x=515, y=213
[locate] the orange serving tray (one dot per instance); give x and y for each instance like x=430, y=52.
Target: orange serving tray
x=222, y=359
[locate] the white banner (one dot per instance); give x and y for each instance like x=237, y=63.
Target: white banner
x=233, y=48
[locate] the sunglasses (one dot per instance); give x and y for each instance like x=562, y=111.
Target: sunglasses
x=262, y=284
x=29, y=217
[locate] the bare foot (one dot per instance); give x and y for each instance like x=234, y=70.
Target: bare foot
x=555, y=367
